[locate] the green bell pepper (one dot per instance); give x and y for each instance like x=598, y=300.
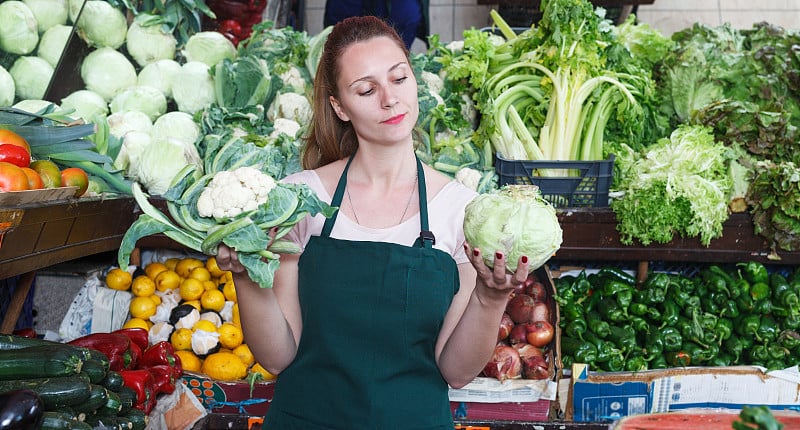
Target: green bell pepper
x=581, y=351
x=754, y=272
x=597, y=324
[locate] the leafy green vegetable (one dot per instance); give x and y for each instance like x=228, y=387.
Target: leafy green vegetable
x=248, y=233
x=756, y=418
x=680, y=185
x=774, y=199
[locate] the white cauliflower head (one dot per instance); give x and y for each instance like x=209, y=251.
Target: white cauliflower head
x=233, y=192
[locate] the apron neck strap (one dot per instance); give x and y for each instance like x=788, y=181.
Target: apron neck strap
x=426, y=237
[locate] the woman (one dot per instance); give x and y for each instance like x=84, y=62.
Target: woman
x=386, y=305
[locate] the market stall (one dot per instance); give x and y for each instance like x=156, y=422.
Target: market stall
x=653, y=187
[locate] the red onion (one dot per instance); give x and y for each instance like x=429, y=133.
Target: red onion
x=520, y=308
x=534, y=363
x=539, y=333
x=504, y=364
x=506, y=324
x=541, y=312
x=518, y=334
x=537, y=290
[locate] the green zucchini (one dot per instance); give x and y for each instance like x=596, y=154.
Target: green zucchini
x=55, y=392
x=95, y=370
x=53, y=420
x=138, y=418
x=98, y=396
x=113, y=381
x=10, y=341
x=40, y=362
x=112, y=405
x=109, y=422
x=127, y=397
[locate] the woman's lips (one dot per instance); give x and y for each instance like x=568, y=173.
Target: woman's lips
x=395, y=119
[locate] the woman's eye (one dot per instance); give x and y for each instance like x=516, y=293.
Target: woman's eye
x=366, y=93
x=401, y=80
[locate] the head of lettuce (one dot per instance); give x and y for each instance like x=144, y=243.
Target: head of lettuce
x=515, y=220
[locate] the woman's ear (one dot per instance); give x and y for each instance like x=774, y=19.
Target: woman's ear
x=338, y=109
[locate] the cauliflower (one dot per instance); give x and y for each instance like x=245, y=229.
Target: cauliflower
x=293, y=78
x=232, y=192
x=285, y=126
x=469, y=177
x=433, y=81
x=291, y=106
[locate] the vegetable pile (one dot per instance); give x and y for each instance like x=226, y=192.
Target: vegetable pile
x=99, y=380
x=741, y=315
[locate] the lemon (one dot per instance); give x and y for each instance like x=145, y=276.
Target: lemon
x=224, y=366
x=243, y=352
x=185, y=266
x=235, y=318
x=143, y=286
x=155, y=298
x=142, y=307
x=200, y=273
x=229, y=290
x=211, y=265
x=195, y=303
x=171, y=263
x=230, y=336
x=189, y=360
x=258, y=368
x=153, y=269
x=118, y=279
x=167, y=280
x=210, y=285
x=191, y=289
x=204, y=325
x=181, y=339
x=137, y=323
x=212, y=299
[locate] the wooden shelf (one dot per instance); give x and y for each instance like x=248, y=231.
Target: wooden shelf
x=42, y=235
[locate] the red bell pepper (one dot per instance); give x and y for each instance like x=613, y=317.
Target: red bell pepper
x=116, y=347
x=143, y=383
x=138, y=335
x=136, y=354
x=15, y=155
x=161, y=353
x=164, y=377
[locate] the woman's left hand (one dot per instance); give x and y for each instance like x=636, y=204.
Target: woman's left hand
x=496, y=282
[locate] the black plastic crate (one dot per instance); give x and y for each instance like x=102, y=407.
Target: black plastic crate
x=584, y=183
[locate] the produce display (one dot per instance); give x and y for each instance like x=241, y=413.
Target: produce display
x=108, y=380
x=188, y=307
x=742, y=315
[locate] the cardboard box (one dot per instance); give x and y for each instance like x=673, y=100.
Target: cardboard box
x=605, y=396
x=233, y=397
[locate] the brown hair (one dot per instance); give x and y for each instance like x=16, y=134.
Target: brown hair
x=329, y=137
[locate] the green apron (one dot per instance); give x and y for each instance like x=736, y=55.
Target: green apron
x=371, y=314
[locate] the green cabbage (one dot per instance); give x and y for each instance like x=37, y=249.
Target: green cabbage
x=31, y=77
x=48, y=13
x=7, y=89
x=102, y=25
x=515, y=220
x=107, y=72
x=19, y=33
x=53, y=42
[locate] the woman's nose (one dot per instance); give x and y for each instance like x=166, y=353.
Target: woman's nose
x=389, y=100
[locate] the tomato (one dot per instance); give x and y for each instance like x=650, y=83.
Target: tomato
x=10, y=138
x=12, y=178
x=15, y=155
x=77, y=177
x=49, y=172
x=34, y=180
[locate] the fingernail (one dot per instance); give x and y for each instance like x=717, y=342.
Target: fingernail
x=475, y=252
x=466, y=248
x=498, y=255
x=524, y=259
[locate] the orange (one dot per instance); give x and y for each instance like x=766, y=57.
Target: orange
x=185, y=266
x=210, y=285
x=181, y=339
x=229, y=290
x=167, y=280
x=212, y=299
x=155, y=298
x=258, y=368
x=75, y=177
x=48, y=171
x=200, y=273
x=195, y=303
x=12, y=177
x=211, y=265
x=235, y=318
x=204, y=325
x=171, y=263
x=191, y=289
x=153, y=269
x=230, y=336
x=137, y=323
x=243, y=352
x=143, y=286
x=189, y=360
x=118, y=279
x=142, y=307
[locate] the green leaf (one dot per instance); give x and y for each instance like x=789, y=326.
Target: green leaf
x=261, y=272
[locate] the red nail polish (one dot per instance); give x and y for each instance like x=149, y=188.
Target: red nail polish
x=498, y=255
x=524, y=259
x=475, y=252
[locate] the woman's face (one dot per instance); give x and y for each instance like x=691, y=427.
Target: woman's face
x=377, y=91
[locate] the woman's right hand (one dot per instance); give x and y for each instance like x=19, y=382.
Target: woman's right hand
x=228, y=260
